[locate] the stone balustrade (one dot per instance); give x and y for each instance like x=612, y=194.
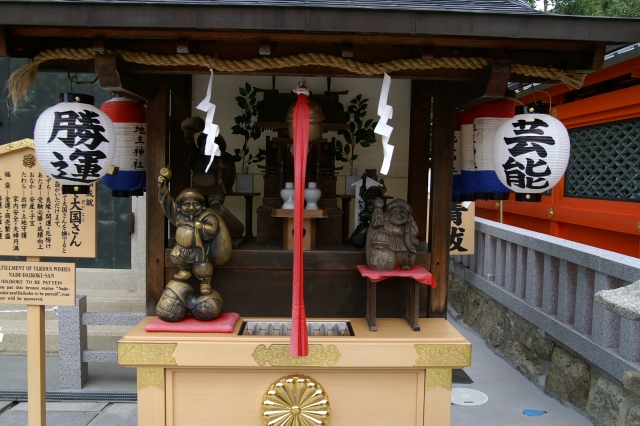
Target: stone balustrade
x=552, y=283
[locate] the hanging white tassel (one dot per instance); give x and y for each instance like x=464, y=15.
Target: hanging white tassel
x=211, y=148
x=385, y=112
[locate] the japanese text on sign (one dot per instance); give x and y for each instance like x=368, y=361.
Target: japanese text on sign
x=462, y=236
x=36, y=219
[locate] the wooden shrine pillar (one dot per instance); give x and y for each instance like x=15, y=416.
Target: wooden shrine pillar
x=174, y=95
x=419, y=153
x=440, y=206
x=157, y=156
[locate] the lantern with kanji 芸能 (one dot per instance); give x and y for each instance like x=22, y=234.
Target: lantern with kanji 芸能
x=531, y=152
x=75, y=143
x=128, y=174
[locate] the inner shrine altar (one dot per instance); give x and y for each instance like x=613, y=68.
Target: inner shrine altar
x=358, y=377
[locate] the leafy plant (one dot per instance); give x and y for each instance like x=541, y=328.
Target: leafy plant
x=245, y=125
x=357, y=134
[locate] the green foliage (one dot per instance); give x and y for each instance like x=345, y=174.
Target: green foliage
x=357, y=134
x=619, y=8
x=249, y=105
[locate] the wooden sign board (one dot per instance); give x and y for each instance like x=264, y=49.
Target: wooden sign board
x=462, y=237
x=35, y=218
x=38, y=283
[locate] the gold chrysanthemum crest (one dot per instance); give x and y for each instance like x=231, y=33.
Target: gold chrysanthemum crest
x=295, y=400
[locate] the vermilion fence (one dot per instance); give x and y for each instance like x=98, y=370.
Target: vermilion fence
x=611, y=224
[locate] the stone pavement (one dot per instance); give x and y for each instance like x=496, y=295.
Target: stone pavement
x=508, y=391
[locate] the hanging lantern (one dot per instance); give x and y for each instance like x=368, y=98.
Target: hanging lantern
x=128, y=174
x=460, y=192
x=486, y=119
x=75, y=143
x=531, y=152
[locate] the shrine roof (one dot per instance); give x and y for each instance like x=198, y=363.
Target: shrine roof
x=494, y=6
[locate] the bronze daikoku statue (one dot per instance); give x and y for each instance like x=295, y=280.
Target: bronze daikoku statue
x=202, y=241
x=392, y=236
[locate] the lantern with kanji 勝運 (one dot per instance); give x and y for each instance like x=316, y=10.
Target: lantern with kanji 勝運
x=75, y=143
x=531, y=152
x=128, y=174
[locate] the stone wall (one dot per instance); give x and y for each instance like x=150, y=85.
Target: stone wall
x=545, y=361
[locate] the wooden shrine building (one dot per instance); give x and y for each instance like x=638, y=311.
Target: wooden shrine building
x=456, y=53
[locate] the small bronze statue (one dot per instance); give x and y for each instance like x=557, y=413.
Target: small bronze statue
x=202, y=241
x=218, y=181
x=392, y=236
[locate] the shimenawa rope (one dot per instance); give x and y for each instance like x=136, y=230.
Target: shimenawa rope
x=21, y=79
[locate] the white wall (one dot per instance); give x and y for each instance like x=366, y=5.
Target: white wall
x=225, y=89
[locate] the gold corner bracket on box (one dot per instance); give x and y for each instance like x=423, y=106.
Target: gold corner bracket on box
x=278, y=356
x=443, y=355
x=295, y=400
x=438, y=377
x=150, y=377
x=146, y=353
x=22, y=143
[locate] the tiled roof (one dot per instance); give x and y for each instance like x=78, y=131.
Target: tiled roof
x=491, y=6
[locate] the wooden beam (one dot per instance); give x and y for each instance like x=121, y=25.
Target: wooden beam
x=492, y=85
x=597, y=56
x=157, y=157
x=440, y=206
x=3, y=43
x=419, y=154
x=180, y=86
x=114, y=77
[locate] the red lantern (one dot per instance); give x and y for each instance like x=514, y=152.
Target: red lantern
x=484, y=120
x=128, y=177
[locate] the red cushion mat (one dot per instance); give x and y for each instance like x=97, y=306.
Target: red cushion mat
x=418, y=273
x=223, y=324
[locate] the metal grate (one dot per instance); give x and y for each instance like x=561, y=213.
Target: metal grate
x=604, y=162
x=283, y=328
x=21, y=396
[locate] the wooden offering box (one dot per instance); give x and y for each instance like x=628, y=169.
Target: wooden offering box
x=394, y=376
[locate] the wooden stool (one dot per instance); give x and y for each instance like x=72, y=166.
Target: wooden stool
x=417, y=275
x=308, y=225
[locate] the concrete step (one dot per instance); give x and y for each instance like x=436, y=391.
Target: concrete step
x=19, y=312
x=97, y=301
x=114, y=300
x=114, y=279
x=14, y=336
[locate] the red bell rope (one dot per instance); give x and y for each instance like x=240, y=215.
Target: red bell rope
x=299, y=345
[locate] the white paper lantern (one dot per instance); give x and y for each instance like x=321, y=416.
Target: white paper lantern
x=75, y=142
x=479, y=125
x=531, y=153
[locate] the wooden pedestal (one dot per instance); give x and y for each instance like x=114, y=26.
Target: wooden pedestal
x=393, y=376
x=308, y=225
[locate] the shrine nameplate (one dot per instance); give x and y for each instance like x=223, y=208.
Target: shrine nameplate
x=36, y=219
x=38, y=283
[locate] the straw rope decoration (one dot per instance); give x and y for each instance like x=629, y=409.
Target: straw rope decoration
x=21, y=79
